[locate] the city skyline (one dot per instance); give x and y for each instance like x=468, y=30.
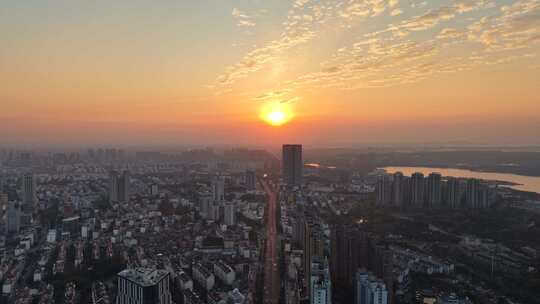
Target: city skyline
x=342, y=72
x=243, y=226
x=265, y=152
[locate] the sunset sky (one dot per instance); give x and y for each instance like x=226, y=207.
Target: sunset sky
x=202, y=72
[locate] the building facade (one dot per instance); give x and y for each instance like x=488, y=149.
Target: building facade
x=119, y=184
x=143, y=286
x=29, y=191
x=369, y=289
x=292, y=165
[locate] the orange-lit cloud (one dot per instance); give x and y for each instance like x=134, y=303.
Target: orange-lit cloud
x=344, y=71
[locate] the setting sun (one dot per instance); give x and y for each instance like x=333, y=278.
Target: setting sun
x=276, y=114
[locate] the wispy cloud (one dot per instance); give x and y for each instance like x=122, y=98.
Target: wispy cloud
x=450, y=33
x=303, y=24
x=272, y=95
x=517, y=27
x=408, y=50
x=435, y=16
x=276, y=97
x=244, y=19
x=299, y=28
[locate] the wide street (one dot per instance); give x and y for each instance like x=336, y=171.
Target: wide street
x=271, y=270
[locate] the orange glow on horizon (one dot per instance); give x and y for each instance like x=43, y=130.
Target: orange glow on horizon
x=277, y=114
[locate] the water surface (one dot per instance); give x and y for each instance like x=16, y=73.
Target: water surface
x=523, y=183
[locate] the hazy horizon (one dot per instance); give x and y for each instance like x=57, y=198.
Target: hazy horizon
x=341, y=73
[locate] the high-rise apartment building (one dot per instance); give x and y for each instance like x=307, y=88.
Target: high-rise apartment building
x=13, y=217
x=369, y=289
x=143, y=286
x=214, y=211
x=485, y=198
x=407, y=193
x=434, y=190
x=313, y=244
x=229, y=214
x=478, y=195
x=113, y=186
x=292, y=165
x=224, y=272
x=205, y=202
x=204, y=276
x=417, y=190
x=384, y=190
x=472, y=194
x=119, y=186
x=453, y=193
x=250, y=179
x=218, y=189
x=320, y=282
x=29, y=191
x=123, y=187
x=381, y=263
x=397, y=189
x=349, y=251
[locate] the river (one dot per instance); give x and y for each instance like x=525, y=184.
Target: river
x=523, y=183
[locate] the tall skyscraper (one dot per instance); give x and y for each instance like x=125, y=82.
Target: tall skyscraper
x=434, y=190
x=417, y=190
x=292, y=165
x=119, y=186
x=349, y=251
x=397, y=189
x=29, y=191
x=143, y=286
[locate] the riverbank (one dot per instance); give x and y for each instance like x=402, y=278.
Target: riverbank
x=514, y=181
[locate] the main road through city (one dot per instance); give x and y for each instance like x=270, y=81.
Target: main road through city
x=271, y=270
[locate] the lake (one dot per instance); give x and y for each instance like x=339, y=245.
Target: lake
x=524, y=183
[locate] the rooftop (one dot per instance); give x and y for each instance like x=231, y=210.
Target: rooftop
x=203, y=270
x=143, y=276
x=224, y=267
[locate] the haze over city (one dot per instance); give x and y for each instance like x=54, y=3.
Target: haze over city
x=270, y=152
x=204, y=72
